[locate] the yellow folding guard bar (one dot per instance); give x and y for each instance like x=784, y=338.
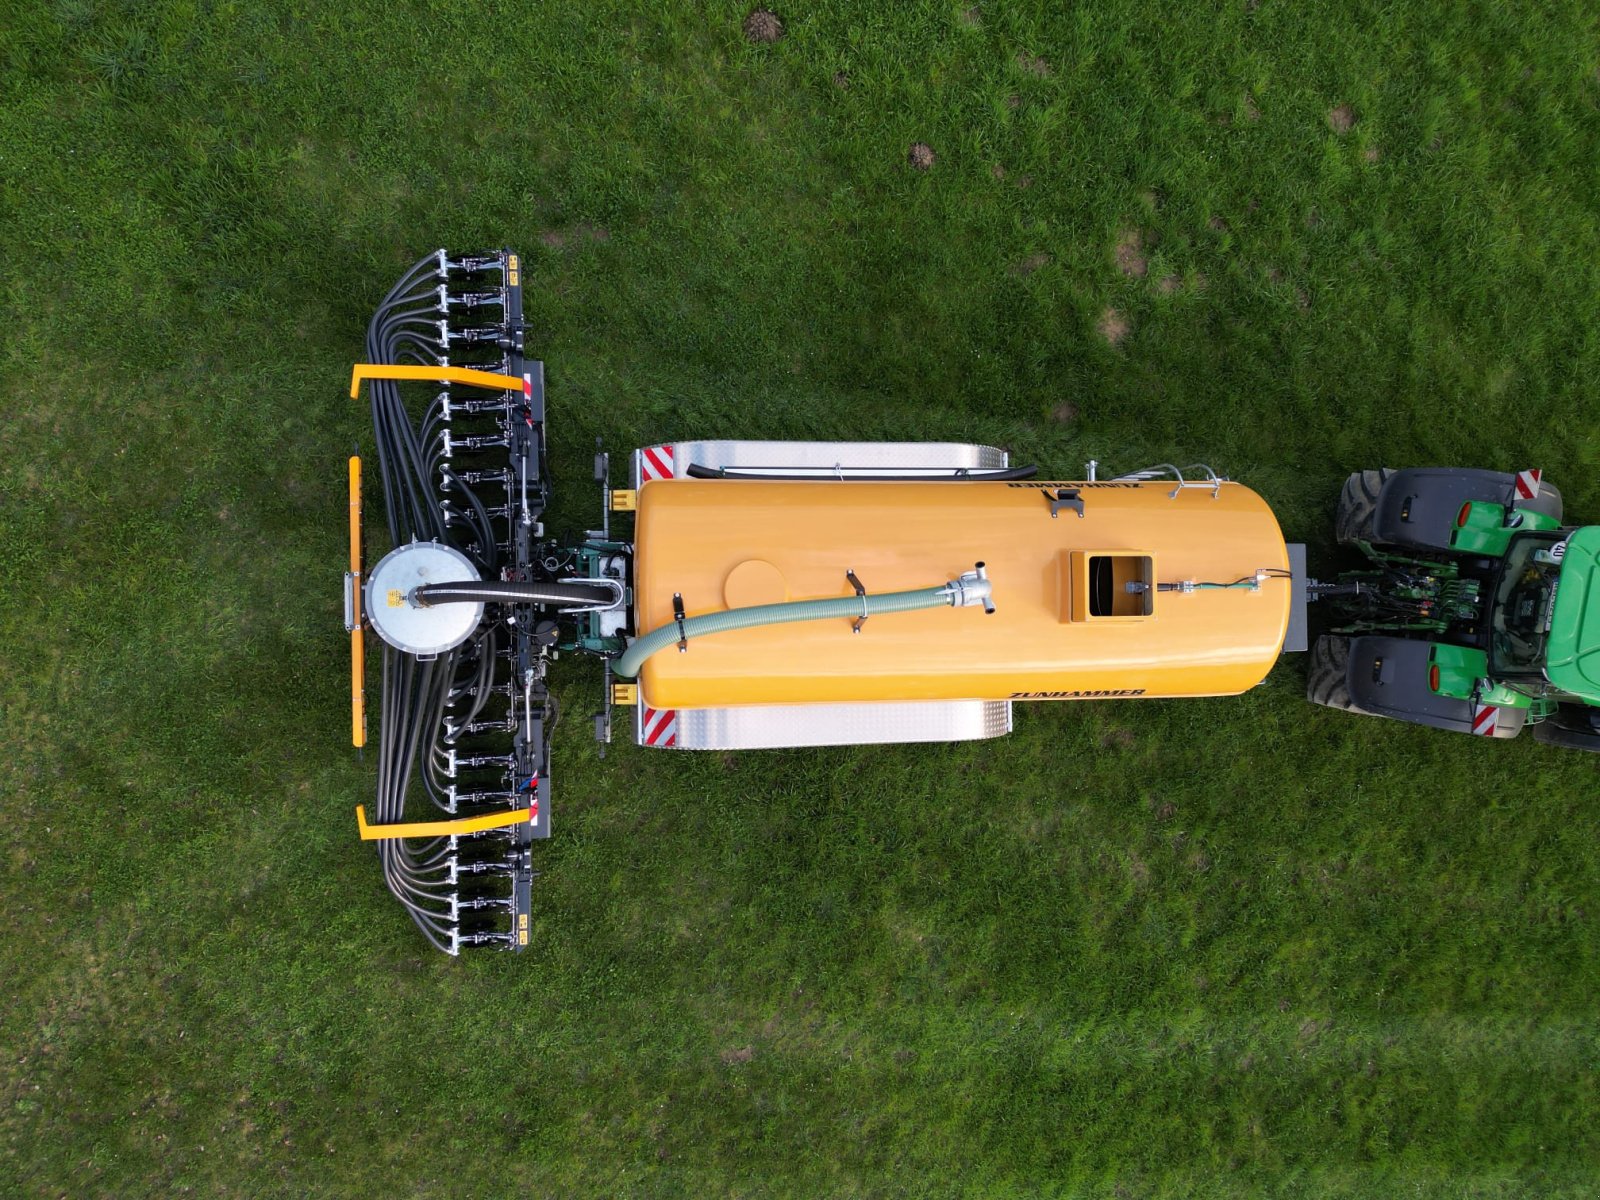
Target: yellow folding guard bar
x=416, y=829
x=483, y=379
x=358, y=646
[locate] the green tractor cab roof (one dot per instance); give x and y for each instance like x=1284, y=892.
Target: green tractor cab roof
x=1573, y=648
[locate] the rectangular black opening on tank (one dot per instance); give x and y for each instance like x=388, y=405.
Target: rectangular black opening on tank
x=1120, y=585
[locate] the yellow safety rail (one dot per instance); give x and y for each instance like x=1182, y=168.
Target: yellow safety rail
x=483, y=379
x=460, y=825
x=358, y=647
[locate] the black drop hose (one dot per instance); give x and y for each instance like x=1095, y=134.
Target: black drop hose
x=1001, y=475
x=485, y=527
x=492, y=591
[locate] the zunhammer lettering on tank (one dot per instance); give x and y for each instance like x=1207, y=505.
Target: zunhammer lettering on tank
x=1098, y=694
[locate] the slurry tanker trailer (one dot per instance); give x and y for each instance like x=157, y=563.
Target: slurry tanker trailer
x=754, y=594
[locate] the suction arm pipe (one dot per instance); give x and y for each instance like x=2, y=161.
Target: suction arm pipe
x=494, y=591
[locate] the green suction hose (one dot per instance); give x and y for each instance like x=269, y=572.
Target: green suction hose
x=969, y=589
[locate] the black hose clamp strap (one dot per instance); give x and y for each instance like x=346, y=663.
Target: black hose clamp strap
x=861, y=593
x=677, y=612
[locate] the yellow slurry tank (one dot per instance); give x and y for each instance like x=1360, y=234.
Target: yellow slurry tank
x=1152, y=591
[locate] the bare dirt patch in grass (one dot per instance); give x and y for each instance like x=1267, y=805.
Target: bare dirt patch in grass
x=1113, y=326
x=574, y=234
x=1030, y=264
x=1168, y=284
x=1066, y=412
x=1138, y=870
x=738, y=1054
x=1251, y=112
x=1342, y=119
x=1312, y=1028
x=1371, y=154
x=997, y=171
x=972, y=17
x=1131, y=260
x=921, y=156
x=763, y=25
x=1034, y=65
x=1217, y=225
x=841, y=80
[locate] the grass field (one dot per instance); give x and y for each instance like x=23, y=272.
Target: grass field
x=1234, y=947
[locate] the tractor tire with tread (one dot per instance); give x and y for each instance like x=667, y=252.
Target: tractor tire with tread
x=1328, y=676
x=1358, y=505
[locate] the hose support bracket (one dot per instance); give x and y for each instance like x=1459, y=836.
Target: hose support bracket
x=861, y=594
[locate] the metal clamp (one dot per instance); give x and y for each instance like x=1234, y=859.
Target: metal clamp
x=677, y=613
x=1064, y=498
x=861, y=594
x=352, y=585
x=971, y=588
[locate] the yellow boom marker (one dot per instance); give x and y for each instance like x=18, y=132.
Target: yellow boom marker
x=358, y=655
x=460, y=825
x=482, y=379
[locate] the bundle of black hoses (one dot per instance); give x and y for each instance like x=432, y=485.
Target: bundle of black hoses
x=405, y=328
x=418, y=873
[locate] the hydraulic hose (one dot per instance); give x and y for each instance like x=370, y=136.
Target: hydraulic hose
x=833, y=608
x=494, y=591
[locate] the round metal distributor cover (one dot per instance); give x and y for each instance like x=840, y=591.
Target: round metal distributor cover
x=407, y=626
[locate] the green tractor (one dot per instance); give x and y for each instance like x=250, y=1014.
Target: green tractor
x=1477, y=611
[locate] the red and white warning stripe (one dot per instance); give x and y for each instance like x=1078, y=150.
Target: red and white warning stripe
x=655, y=462
x=659, y=727
x=1485, y=720
x=1528, y=484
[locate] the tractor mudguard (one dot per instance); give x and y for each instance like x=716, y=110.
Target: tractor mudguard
x=1389, y=678
x=1418, y=506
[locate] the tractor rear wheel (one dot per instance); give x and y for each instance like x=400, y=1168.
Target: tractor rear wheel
x=1328, y=677
x=1573, y=726
x=1358, y=505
